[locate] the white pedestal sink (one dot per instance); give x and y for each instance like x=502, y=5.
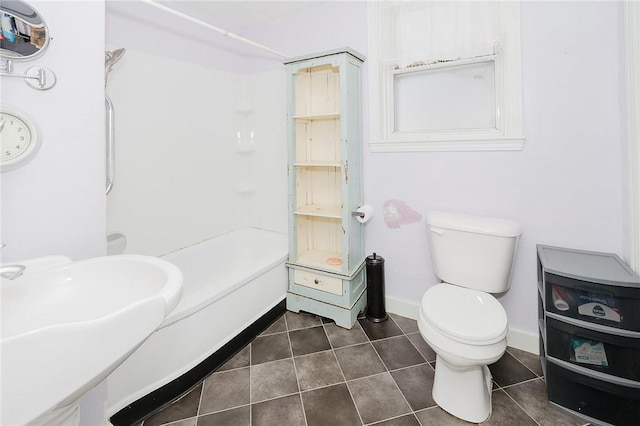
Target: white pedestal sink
x=67, y=325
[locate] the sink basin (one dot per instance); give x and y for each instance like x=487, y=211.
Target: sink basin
x=66, y=325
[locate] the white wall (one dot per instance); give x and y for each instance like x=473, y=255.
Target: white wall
x=266, y=167
x=176, y=167
x=55, y=204
x=181, y=96
x=565, y=187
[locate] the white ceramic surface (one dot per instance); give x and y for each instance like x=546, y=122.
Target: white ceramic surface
x=464, y=324
x=230, y=281
x=464, y=315
x=66, y=325
x=473, y=251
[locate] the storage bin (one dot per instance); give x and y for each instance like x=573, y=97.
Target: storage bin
x=608, y=305
x=608, y=402
x=606, y=353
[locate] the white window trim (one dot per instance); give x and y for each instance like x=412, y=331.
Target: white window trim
x=632, y=12
x=508, y=134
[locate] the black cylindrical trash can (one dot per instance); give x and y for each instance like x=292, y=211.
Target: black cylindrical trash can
x=375, y=288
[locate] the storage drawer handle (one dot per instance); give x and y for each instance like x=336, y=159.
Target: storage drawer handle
x=316, y=281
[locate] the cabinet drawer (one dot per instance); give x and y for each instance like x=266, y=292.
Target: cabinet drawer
x=318, y=281
x=609, y=354
x=608, y=402
x=608, y=305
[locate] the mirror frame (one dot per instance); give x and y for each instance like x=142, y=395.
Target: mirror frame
x=34, y=12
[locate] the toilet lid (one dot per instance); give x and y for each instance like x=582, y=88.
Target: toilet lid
x=463, y=314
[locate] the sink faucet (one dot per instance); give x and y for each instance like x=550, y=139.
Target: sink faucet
x=10, y=272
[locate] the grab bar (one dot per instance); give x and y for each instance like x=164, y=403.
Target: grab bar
x=110, y=151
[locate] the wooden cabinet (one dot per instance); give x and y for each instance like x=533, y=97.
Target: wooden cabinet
x=589, y=320
x=326, y=250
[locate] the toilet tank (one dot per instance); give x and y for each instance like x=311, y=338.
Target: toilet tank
x=473, y=251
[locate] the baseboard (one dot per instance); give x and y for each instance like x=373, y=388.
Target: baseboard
x=523, y=340
x=402, y=307
x=172, y=391
x=518, y=339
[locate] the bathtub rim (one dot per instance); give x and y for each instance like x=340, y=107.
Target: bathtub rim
x=144, y=372
x=191, y=309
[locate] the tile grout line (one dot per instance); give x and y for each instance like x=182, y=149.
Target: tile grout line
x=178, y=421
x=519, y=383
x=392, y=418
x=389, y=372
x=418, y=349
x=523, y=364
x=353, y=401
x=295, y=371
x=410, y=366
x=519, y=406
x=273, y=398
x=201, y=396
x=250, y=374
x=424, y=409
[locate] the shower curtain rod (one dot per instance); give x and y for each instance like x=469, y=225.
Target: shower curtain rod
x=212, y=27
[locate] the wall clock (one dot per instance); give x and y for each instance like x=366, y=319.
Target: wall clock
x=19, y=139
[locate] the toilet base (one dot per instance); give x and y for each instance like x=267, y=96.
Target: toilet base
x=464, y=392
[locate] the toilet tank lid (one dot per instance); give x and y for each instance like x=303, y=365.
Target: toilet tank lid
x=476, y=224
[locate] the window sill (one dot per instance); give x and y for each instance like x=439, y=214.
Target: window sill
x=489, y=144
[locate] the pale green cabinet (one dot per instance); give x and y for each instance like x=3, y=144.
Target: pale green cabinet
x=326, y=249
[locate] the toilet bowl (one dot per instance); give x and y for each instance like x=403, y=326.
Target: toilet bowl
x=464, y=324
x=467, y=330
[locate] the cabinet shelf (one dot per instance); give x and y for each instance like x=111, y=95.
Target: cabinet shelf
x=320, y=211
x=317, y=259
x=324, y=116
x=317, y=164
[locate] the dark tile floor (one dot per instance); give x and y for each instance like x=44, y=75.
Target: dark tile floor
x=304, y=370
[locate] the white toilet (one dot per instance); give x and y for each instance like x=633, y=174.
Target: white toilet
x=464, y=324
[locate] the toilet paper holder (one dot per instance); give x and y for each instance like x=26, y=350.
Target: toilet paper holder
x=363, y=213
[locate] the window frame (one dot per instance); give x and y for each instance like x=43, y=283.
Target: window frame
x=508, y=134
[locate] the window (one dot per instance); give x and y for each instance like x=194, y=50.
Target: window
x=445, y=76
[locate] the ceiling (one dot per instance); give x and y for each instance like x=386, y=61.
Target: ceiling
x=240, y=14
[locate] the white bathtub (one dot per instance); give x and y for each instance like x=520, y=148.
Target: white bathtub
x=229, y=282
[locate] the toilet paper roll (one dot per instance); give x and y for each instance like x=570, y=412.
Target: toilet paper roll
x=366, y=213
x=558, y=299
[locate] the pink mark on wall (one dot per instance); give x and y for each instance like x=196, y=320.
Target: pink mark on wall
x=397, y=213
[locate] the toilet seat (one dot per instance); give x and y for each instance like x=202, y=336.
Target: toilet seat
x=464, y=315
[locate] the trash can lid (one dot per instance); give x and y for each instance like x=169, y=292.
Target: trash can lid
x=374, y=258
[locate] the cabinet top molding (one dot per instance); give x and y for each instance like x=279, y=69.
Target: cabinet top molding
x=348, y=50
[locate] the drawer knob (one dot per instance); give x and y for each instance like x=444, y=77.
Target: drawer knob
x=316, y=281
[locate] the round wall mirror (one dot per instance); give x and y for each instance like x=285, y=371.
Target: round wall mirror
x=23, y=32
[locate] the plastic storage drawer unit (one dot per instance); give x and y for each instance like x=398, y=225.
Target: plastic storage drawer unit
x=606, y=353
x=589, y=322
x=594, y=398
x=605, y=304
